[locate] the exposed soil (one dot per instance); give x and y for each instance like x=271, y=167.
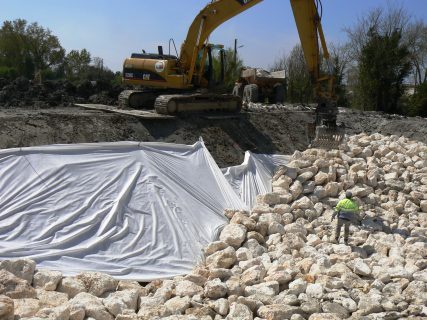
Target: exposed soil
x=39, y=114
x=282, y=130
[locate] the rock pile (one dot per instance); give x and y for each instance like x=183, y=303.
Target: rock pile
x=277, y=261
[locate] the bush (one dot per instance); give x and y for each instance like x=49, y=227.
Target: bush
x=417, y=104
x=8, y=73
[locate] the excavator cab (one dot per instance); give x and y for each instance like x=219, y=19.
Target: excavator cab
x=210, y=67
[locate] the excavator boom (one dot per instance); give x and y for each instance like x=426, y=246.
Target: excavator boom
x=208, y=19
x=308, y=21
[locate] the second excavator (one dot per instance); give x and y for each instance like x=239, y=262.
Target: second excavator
x=174, y=84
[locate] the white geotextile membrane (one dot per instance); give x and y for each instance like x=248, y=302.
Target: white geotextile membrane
x=138, y=211
x=253, y=176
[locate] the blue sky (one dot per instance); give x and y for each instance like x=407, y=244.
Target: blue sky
x=112, y=29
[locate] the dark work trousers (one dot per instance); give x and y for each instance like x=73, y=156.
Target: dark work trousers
x=340, y=223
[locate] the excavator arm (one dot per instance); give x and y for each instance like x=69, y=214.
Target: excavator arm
x=308, y=21
x=310, y=31
x=211, y=16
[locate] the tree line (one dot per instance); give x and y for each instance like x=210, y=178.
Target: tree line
x=32, y=51
x=381, y=67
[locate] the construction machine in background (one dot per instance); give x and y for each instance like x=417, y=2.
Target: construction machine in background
x=259, y=85
x=173, y=84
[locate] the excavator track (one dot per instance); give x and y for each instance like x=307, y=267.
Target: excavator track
x=137, y=99
x=197, y=102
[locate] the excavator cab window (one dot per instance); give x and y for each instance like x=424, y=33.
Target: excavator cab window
x=210, y=66
x=215, y=66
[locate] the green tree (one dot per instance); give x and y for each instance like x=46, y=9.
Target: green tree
x=29, y=49
x=77, y=64
x=99, y=72
x=384, y=64
x=15, y=58
x=340, y=60
x=232, y=67
x=44, y=48
x=418, y=102
x=300, y=88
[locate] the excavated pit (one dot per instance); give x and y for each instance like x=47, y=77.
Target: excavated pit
x=263, y=129
x=41, y=114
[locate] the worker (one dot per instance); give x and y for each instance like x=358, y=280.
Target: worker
x=347, y=212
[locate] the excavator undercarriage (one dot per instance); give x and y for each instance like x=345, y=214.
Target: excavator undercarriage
x=170, y=102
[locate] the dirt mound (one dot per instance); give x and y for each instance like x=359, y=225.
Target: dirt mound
x=24, y=93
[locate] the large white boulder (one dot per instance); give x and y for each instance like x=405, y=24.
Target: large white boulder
x=47, y=280
x=22, y=268
x=233, y=234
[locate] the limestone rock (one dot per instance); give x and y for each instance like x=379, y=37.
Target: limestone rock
x=6, y=308
x=97, y=283
x=187, y=288
x=222, y=259
x=314, y=290
x=321, y=178
x=233, y=235
x=58, y=313
x=220, y=306
x=71, y=286
x=296, y=189
x=153, y=312
x=303, y=203
x=26, y=308
x=269, y=198
x=22, y=268
x=178, y=305
x=239, y=311
x=93, y=306
x=263, y=291
x=51, y=298
x=360, y=268
x=14, y=287
x=214, y=247
x=332, y=189
x=305, y=176
x=240, y=218
x=117, y=302
x=47, y=280
x=77, y=311
x=281, y=276
x=297, y=286
x=253, y=275
x=215, y=289
x=275, y=227
x=278, y=311
x=324, y=316
x=335, y=308
x=421, y=276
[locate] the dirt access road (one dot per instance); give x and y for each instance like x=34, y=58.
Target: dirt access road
x=262, y=131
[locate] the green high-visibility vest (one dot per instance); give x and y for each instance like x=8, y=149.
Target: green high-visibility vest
x=347, y=205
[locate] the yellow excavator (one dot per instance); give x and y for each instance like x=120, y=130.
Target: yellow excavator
x=172, y=84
